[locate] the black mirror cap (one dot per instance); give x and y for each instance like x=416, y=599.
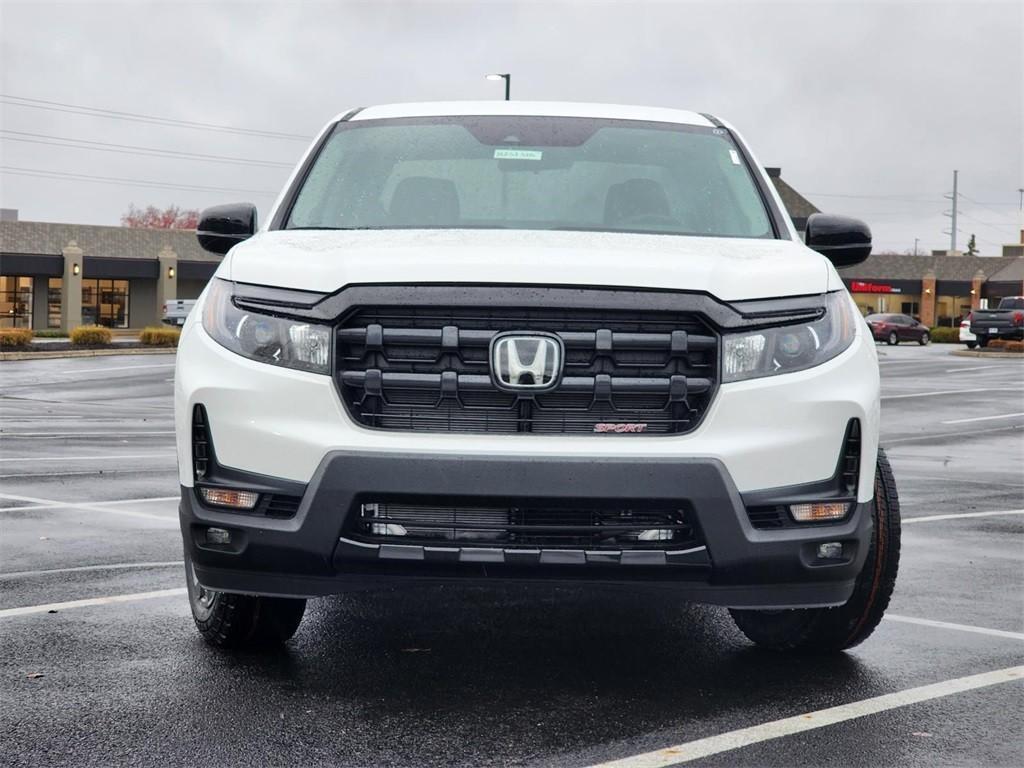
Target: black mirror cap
x=224, y=226
x=842, y=240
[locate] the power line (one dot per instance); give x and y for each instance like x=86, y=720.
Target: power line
x=77, y=109
x=131, y=149
x=995, y=227
x=986, y=207
x=44, y=174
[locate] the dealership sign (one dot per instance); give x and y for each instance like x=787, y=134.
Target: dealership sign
x=856, y=286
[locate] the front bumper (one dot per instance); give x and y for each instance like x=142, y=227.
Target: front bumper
x=310, y=554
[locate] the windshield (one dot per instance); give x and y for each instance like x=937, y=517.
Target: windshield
x=1012, y=303
x=531, y=173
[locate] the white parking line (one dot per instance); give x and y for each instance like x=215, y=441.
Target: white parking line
x=92, y=507
x=92, y=458
x=744, y=737
x=957, y=627
x=951, y=392
x=59, y=504
x=984, y=418
x=114, y=368
x=62, y=435
x=89, y=568
x=7, y=613
x=938, y=435
x=956, y=515
x=974, y=368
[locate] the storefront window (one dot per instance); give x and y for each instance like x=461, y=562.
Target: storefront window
x=910, y=308
x=105, y=302
x=15, y=302
x=54, y=290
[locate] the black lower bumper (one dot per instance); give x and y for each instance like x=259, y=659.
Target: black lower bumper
x=737, y=565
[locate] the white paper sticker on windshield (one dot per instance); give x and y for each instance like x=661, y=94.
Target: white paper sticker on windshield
x=735, y=156
x=518, y=154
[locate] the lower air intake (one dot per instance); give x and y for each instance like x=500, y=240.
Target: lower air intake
x=527, y=526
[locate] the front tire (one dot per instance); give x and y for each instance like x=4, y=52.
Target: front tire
x=241, y=621
x=893, y=339
x=828, y=630
x=925, y=338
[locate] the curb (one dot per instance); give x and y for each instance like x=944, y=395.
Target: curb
x=51, y=355
x=981, y=353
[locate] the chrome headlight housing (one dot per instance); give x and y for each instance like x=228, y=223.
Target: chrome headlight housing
x=789, y=348
x=268, y=339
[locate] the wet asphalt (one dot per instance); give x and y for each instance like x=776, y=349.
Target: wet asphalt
x=481, y=676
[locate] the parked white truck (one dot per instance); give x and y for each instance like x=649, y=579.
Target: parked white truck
x=538, y=342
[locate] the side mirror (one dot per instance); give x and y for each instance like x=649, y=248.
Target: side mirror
x=842, y=240
x=223, y=226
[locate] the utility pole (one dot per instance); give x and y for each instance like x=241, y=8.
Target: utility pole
x=955, y=197
x=915, y=245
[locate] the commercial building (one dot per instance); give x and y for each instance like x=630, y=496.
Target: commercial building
x=64, y=275
x=938, y=289
x=59, y=276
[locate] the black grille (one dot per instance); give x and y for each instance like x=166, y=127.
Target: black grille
x=278, y=505
x=427, y=369
x=201, y=449
x=850, y=461
x=662, y=528
x=769, y=517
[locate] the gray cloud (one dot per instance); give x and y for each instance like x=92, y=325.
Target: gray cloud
x=878, y=101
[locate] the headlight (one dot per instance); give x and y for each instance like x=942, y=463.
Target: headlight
x=268, y=339
x=771, y=351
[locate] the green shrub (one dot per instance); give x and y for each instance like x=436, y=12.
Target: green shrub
x=90, y=335
x=51, y=333
x=945, y=335
x=15, y=337
x=160, y=337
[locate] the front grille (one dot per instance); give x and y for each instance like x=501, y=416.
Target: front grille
x=427, y=369
x=657, y=527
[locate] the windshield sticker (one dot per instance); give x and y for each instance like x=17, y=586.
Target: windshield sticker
x=735, y=156
x=517, y=154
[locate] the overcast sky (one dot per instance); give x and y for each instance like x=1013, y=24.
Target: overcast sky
x=867, y=107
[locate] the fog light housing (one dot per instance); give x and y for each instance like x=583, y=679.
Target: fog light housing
x=388, y=529
x=223, y=497
x=218, y=536
x=820, y=512
x=656, y=534
x=830, y=550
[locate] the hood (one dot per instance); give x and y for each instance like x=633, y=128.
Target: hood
x=731, y=269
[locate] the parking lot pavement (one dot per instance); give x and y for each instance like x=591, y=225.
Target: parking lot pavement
x=498, y=675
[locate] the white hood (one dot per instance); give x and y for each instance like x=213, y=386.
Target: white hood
x=730, y=269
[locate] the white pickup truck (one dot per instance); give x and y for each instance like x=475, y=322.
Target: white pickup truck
x=533, y=342
x=176, y=311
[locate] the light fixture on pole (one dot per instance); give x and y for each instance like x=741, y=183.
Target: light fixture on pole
x=502, y=76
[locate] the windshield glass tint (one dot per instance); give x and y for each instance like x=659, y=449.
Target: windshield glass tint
x=531, y=173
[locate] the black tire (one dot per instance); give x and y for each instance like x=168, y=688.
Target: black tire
x=971, y=344
x=892, y=339
x=983, y=341
x=241, y=621
x=925, y=338
x=829, y=630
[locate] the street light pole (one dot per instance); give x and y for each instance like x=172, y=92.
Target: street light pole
x=508, y=82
